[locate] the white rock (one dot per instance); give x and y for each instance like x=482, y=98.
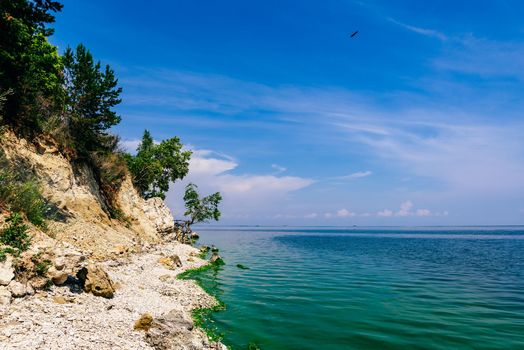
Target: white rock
x=7, y=273
x=60, y=263
x=17, y=289
x=5, y=296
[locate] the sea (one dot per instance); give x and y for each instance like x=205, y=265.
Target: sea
x=368, y=287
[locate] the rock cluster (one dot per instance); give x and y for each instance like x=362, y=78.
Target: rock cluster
x=68, y=318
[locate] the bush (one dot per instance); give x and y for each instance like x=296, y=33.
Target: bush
x=19, y=192
x=15, y=234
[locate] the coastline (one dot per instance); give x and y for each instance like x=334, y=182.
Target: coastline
x=63, y=317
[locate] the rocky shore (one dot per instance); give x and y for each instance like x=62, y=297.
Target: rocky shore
x=146, y=288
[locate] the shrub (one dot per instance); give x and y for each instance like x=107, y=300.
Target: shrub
x=15, y=234
x=19, y=192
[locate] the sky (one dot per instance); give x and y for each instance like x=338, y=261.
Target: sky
x=417, y=120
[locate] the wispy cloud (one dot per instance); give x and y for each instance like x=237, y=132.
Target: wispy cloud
x=423, y=31
x=278, y=169
x=458, y=147
x=357, y=175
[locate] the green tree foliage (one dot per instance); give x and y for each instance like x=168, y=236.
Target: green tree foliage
x=91, y=94
x=156, y=165
x=29, y=65
x=201, y=209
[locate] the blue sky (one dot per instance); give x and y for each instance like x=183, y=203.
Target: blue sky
x=415, y=121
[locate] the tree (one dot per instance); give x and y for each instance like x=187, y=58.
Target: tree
x=91, y=94
x=201, y=209
x=29, y=65
x=155, y=166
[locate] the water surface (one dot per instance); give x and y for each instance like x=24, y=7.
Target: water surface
x=370, y=288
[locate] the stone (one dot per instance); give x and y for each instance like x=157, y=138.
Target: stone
x=39, y=282
x=121, y=250
x=167, y=278
x=58, y=299
x=143, y=323
x=5, y=296
x=215, y=259
x=171, y=262
x=60, y=263
x=18, y=290
x=95, y=280
x=29, y=289
x=7, y=272
x=59, y=278
x=171, y=331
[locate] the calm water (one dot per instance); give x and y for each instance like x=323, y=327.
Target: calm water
x=379, y=288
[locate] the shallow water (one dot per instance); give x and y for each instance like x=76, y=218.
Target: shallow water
x=375, y=288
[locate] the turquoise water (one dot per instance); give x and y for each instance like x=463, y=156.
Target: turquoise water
x=376, y=288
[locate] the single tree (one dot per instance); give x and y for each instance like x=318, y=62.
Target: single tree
x=91, y=94
x=201, y=209
x=155, y=166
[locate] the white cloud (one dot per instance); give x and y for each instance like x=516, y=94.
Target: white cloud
x=344, y=213
x=423, y=31
x=423, y=212
x=244, y=194
x=356, y=175
x=311, y=216
x=385, y=213
x=405, y=209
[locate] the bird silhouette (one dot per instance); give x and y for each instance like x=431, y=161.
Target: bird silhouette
x=355, y=33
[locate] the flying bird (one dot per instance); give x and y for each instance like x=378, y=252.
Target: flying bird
x=355, y=33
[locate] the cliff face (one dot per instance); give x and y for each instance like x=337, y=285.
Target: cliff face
x=82, y=220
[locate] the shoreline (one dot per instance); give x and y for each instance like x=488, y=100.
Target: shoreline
x=64, y=318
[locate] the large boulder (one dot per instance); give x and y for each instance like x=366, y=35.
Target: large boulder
x=95, y=280
x=170, y=331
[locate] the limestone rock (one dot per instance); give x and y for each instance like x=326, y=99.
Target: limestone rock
x=171, y=262
x=59, y=299
x=171, y=331
x=18, y=290
x=144, y=322
x=7, y=272
x=59, y=277
x=5, y=296
x=39, y=282
x=95, y=280
x=60, y=263
x=215, y=259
